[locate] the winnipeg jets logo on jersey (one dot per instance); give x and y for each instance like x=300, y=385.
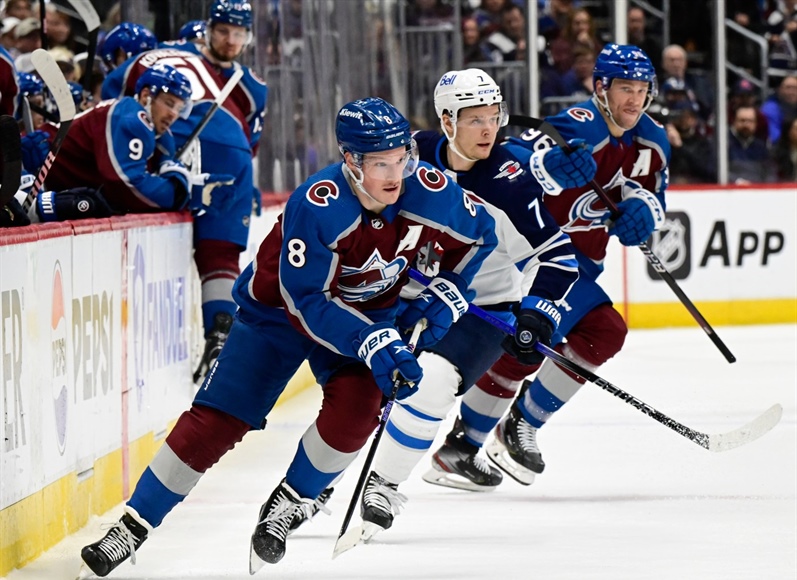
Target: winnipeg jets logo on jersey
x=371, y=279
x=510, y=169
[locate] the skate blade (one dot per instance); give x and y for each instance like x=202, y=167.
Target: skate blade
x=347, y=541
x=255, y=562
x=498, y=454
x=85, y=572
x=370, y=530
x=451, y=480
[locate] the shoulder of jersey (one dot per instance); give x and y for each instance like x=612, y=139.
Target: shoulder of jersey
x=249, y=72
x=132, y=115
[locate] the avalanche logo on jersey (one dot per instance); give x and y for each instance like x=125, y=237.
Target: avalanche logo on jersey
x=510, y=169
x=585, y=214
x=371, y=279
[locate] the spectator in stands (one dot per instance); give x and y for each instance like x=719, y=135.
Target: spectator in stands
x=638, y=36
x=748, y=157
x=745, y=93
x=473, y=49
x=28, y=40
x=741, y=51
x=7, y=39
x=557, y=79
x=580, y=31
x=785, y=152
x=18, y=9
x=428, y=13
x=782, y=35
x=674, y=64
x=583, y=67
x=509, y=43
x=693, y=156
x=554, y=18
x=58, y=25
x=781, y=107
x=674, y=92
x=488, y=16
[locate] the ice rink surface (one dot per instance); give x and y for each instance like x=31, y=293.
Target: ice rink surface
x=622, y=496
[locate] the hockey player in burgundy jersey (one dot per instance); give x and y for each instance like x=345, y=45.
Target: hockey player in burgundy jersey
x=8, y=84
x=528, y=274
x=632, y=154
x=227, y=145
x=120, y=154
x=324, y=287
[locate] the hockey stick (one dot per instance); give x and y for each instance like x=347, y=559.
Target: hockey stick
x=91, y=19
x=219, y=101
x=43, y=25
x=346, y=541
x=11, y=146
x=49, y=72
x=549, y=130
x=713, y=442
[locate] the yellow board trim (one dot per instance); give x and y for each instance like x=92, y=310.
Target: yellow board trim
x=737, y=312
x=41, y=520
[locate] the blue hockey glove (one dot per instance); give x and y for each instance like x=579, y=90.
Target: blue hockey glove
x=641, y=214
x=442, y=303
x=35, y=148
x=211, y=192
x=381, y=348
x=257, y=201
x=557, y=170
x=537, y=320
x=72, y=204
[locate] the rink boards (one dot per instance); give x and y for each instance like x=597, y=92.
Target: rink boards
x=101, y=328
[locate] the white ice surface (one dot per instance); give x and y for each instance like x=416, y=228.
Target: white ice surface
x=622, y=497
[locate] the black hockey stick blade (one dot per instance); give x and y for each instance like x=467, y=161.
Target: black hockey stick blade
x=52, y=76
x=545, y=128
x=346, y=541
x=713, y=442
x=11, y=146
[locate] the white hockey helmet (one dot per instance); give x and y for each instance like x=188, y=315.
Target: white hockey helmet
x=459, y=89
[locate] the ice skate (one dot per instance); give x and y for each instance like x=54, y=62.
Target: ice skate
x=514, y=448
x=319, y=505
x=119, y=543
x=273, y=525
x=222, y=322
x=457, y=464
x=380, y=503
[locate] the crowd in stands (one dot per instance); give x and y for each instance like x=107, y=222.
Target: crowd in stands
x=762, y=145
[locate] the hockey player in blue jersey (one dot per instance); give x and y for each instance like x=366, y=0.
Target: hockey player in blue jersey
x=123, y=41
x=324, y=287
x=632, y=153
x=528, y=274
x=226, y=145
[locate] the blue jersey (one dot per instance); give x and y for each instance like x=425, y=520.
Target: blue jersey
x=238, y=122
x=114, y=146
x=534, y=256
x=336, y=268
x=642, y=154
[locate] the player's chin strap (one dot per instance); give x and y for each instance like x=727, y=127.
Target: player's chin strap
x=451, y=140
x=357, y=180
x=602, y=102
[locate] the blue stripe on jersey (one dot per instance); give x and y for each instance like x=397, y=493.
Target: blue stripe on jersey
x=413, y=411
x=407, y=440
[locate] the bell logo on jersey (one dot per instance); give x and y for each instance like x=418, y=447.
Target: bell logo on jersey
x=374, y=277
x=510, y=169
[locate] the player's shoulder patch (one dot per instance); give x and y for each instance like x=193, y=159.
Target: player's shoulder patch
x=431, y=178
x=256, y=77
x=322, y=192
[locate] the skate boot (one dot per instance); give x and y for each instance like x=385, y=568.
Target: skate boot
x=514, y=448
x=381, y=501
x=319, y=505
x=119, y=543
x=273, y=524
x=222, y=322
x=457, y=464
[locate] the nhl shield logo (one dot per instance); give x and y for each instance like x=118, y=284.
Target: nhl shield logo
x=377, y=223
x=672, y=245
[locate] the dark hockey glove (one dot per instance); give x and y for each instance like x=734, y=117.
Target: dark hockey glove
x=641, y=214
x=537, y=319
x=13, y=216
x=442, y=303
x=556, y=170
x=381, y=348
x=72, y=204
x=35, y=148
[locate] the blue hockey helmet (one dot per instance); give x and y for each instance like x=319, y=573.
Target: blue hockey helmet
x=624, y=61
x=130, y=38
x=162, y=78
x=192, y=30
x=29, y=84
x=235, y=12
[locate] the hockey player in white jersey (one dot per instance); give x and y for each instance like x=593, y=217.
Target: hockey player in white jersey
x=526, y=276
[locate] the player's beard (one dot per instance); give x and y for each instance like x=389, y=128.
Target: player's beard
x=220, y=57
